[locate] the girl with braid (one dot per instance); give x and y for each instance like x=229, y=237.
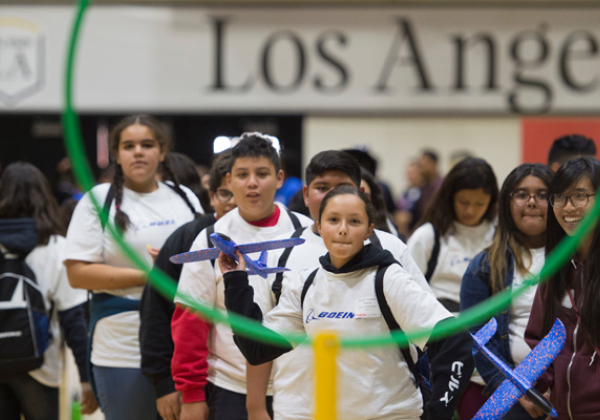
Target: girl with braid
x=147, y=212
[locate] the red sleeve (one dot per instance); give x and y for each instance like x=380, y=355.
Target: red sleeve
x=189, y=366
x=533, y=335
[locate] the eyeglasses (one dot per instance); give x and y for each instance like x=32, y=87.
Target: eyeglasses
x=578, y=199
x=223, y=195
x=521, y=198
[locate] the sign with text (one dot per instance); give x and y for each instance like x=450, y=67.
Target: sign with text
x=302, y=60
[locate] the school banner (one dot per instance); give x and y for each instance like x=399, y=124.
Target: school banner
x=397, y=60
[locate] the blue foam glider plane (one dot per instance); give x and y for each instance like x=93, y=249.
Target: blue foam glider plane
x=225, y=244
x=520, y=381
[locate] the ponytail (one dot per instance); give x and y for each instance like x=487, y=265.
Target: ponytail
x=121, y=218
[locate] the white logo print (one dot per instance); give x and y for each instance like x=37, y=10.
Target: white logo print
x=454, y=383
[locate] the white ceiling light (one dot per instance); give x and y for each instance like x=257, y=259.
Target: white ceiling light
x=221, y=143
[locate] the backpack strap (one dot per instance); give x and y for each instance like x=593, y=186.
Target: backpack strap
x=309, y=281
x=294, y=219
x=435, y=253
x=375, y=239
x=209, y=231
x=278, y=283
x=388, y=316
x=107, y=203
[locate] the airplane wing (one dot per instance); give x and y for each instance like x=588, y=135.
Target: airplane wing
x=269, y=270
x=542, y=356
x=193, y=256
x=500, y=402
x=269, y=245
x=530, y=370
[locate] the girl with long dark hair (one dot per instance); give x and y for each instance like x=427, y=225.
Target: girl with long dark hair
x=572, y=295
x=147, y=212
x=458, y=224
x=31, y=229
x=517, y=250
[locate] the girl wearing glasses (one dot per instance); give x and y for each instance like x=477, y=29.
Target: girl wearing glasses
x=572, y=295
x=517, y=250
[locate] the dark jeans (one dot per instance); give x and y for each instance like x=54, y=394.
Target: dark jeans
x=228, y=405
x=125, y=394
x=24, y=395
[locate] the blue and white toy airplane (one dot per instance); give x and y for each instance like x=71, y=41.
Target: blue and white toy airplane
x=520, y=381
x=223, y=243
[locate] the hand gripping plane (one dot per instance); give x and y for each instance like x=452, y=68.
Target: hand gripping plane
x=520, y=381
x=225, y=244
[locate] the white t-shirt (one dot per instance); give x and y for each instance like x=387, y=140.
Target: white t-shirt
x=203, y=283
x=520, y=308
x=154, y=216
x=457, y=248
x=373, y=383
x=293, y=382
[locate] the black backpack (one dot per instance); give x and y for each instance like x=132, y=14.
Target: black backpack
x=421, y=381
x=24, y=321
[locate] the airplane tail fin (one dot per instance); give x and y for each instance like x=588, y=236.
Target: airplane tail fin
x=262, y=260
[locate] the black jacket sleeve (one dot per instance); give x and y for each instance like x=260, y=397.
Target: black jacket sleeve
x=452, y=364
x=73, y=324
x=156, y=312
x=239, y=299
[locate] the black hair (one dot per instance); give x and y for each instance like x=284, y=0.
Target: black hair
x=184, y=169
x=346, y=189
x=221, y=165
x=431, y=155
x=507, y=234
x=364, y=159
x=377, y=200
x=163, y=137
x=556, y=288
x=333, y=160
x=567, y=147
x=25, y=192
x=468, y=174
x=255, y=144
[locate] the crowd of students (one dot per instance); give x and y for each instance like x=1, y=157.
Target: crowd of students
x=148, y=357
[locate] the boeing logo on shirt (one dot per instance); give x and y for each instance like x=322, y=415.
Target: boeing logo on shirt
x=310, y=316
x=455, y=260
x=146, y=225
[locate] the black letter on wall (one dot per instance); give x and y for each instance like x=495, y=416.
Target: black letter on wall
x=567, y=54
x=526, y=63
x=219, y=80
x=461, y=43
x=404, y=32
x=319, y=84
x=266, y=59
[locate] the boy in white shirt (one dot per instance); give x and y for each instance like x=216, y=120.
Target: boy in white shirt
x=254, y=178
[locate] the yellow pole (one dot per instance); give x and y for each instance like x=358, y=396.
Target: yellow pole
x=326, y=347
